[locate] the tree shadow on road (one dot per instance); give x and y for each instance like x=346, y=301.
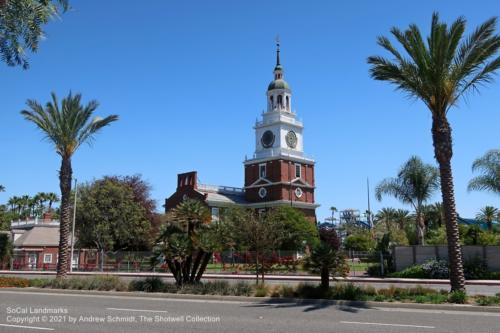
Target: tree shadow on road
x=312, y=304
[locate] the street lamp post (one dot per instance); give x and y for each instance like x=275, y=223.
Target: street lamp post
x=73, y=230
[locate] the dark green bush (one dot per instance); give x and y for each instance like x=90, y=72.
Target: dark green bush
x=150, y=285
x=475, y=268
x=412, y=272
x=459, y=297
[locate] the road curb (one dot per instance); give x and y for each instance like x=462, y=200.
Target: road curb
x=266, y=300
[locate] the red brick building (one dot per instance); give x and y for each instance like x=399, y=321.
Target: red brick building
x=279, y=173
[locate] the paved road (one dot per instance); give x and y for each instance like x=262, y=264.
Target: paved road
x=126, y=314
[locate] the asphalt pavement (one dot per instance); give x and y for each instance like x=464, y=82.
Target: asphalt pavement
x=28, y=311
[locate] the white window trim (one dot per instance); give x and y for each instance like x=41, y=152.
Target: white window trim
x=45, y=261
x=300, y=170
x=265, y=170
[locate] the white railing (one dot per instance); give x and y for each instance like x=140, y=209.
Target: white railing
x=225, y=189
x=35, y=221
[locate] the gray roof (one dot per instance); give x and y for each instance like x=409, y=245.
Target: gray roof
x=223, y=198
x=39, y=236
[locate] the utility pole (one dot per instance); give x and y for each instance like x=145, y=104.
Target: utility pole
x=73, y=230
x=369, y=209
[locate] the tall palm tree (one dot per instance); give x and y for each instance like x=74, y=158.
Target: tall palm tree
x=488, y=214
x=2, y=188
x=67, y=126
x=439, y=73
x=51, y=198
x=489, y=165
x=415, y=183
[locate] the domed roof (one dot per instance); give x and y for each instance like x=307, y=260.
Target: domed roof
x=278, y=84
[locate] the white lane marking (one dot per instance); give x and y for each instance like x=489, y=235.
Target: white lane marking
x=136, y=310
x=450, y=312
x=30, y=327
x=383, y=324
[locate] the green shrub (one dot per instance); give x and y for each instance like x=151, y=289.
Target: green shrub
x=242, y=289
x=40, y=283
x=412, y=272
x=475, y=268
x=150, y=285
x=261, y=290
x=459, y=297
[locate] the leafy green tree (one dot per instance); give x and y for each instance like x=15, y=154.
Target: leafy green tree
x=5, y=250
x=326, y=258
x=187, y=241
x=298, y=232
x=257, y=233
x=361, y=240
x=489, y=166
x=110, y=218
x=488, y=214
x=67, y=126
x=439, y=73
x=415, y=183
x=6, y=217
x=21, y=28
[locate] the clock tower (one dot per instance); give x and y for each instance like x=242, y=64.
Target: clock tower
x=279, y=173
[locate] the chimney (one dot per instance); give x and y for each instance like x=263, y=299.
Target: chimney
x=187, y=179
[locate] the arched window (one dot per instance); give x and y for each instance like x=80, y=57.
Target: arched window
x=272, y=102
x=288, y=103
x=280, y=101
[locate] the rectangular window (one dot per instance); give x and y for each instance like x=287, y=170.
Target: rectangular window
x=298, y=170
x=262, y=170
x=215, y=214
x=47, y=258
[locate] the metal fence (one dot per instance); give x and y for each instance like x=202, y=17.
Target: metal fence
x=277, y=262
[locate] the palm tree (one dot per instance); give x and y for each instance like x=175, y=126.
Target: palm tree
x=184, y=243
x=489, y=165
x=21, y=26
x=414, y=185
x=2, y=188
x=488, y=214
x=67, y=126
x=439, y=73
x=402, y=217
x=386, y=216
x=51, y=198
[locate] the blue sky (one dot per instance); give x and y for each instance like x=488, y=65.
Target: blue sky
x=188, y=79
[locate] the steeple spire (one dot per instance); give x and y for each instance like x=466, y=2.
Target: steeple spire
x=278, y=70
x=278, y=51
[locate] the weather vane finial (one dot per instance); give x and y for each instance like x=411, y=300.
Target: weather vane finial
x=277, y=50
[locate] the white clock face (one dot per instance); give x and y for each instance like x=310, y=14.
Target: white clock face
x=291, y=139
x=298, y=192
x=262, y=192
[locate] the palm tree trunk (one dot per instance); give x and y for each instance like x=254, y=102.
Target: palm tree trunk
x=65, y=175
x=203, y=266
x=441, y=135
x=420, y=228
x=325, y=277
